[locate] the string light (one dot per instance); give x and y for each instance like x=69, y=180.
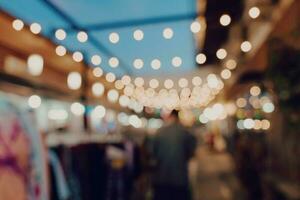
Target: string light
x=18, y=24
x=255, y=91
x=168, y=84
x=138, y=35
x=226, y=74
x=225, y=20
x=74, y=80
x=77, y=56
x=35, y=64
x=96, y=60
x=114, y=38
x=246, y=46
x=231, y=64
x=113, y=62
x=168, y=33
x=60, y=50
x=201, y=58
x=126, y=79
x=183, y=83
x=60, y=34
x=97, y=72
x=138, y=63
x=110, y=77
x=268, y=107
x=155, y=64
x=82, y=36
x=241, y=102
x=196, y=81
x=176, y=61
x=98, y=89
x=153, y=83
x=35, y=28
x=119, y=85
x=77, y=108
x=254, y=12
x=124, y=101
x=221, y=54
x=195, y=27
x=139, y=81
x=99, y=112
x=34, y=101
x=113, y=95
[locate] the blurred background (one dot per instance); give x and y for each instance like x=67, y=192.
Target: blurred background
x=83, y=85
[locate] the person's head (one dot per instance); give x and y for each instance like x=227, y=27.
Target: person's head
x=174, y=116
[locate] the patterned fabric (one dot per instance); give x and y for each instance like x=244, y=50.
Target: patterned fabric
x=22, y=165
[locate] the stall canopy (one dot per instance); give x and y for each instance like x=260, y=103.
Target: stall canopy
x=101, y=18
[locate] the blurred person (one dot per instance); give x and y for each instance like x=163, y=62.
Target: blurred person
x=172, y=147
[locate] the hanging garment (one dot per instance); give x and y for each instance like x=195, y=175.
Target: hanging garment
x=22, y=170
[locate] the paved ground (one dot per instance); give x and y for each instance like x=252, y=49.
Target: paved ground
x=213, y=176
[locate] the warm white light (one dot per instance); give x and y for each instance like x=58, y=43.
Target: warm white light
x=155, y=64
x=77, y=56
x=265, y=124
x=129, y=90
x=226, y=74
x=18, y=24
x=203, y=119
x=241, y=102
x=168, y=33
x=35, y=64
x=114, y=38
x=99, y=112
x=138, y=63
x=231, y=64
x=225, y=20
x=60, y=34
x=196, y=81
x=113, y=95
x=195, y=27
x=96, y=60
x=138, y=35
x=249, y=123
x=74, y=80
x=35, y=28
x=98, y=89
x=176, y=61
x=246, y=46
x=254, y=12
x=82, y=36
x=77, y=108
x=153, y=83
x=183, y=83
x=201, y=58
x=135, y=121
x=139, y=82
x=255, y=91
x=212, y=81
x=57, y=114
x=34, y=101
x=97, y=72
x=240, y=124
x=221, y=54
x=168, y=84
x=110, y=77
x=119, y=85
x=126, y=79
x=60, y=50
x=124, y=101
x=268, y=107
x=257, y=124
x=113, y=62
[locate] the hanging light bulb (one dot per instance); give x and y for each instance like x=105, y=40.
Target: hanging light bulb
x=98, y=89
x=82, y=36
x=35, y=28
x=201, y=58
x=246, y=46
x=60, y=50
x=60, y=34
x=254, y=12
x=77, y=56
x=138, y=35
x=97, y=72
x=176, y=61
x=34, y=101
x=74, y=80
x=114, y=38
x=225, y=20
x=138, y=63
x=155, y=64
x=96, y=60
x=195, y=27
x=18, y=24
x=168, y=33
x=35, y=64
x=77, y=108
x=153, y=83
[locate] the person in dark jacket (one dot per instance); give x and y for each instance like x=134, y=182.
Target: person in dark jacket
x=172, y=148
